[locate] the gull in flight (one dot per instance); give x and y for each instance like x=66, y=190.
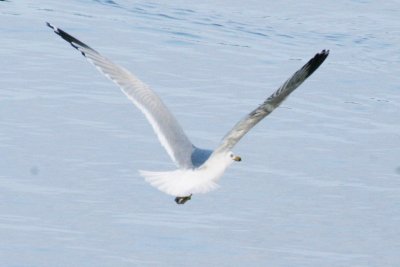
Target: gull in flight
x=198, y=170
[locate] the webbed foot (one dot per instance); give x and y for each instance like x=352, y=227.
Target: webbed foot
x=182, y=200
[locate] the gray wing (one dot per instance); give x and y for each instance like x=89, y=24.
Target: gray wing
x=248, y=122
x=166, y=127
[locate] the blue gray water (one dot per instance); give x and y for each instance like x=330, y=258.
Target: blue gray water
x=319, y=184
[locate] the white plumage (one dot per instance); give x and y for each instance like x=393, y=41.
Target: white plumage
x=184, y=182
x=198, y=169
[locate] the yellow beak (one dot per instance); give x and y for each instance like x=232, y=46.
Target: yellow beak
x=237, y=158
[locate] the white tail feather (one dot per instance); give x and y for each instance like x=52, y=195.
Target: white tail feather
x=180, y=182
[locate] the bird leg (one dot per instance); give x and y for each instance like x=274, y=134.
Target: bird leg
x=182, y=200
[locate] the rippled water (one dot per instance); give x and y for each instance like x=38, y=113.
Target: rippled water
x=320, y=181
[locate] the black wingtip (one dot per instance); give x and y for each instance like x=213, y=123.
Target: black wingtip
x=316, y=61
x=69, y=38
x=323, y=54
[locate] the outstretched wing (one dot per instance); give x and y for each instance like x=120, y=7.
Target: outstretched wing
x=248, y=122
x=168, y=130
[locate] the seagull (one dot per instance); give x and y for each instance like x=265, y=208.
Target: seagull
x=198, y=170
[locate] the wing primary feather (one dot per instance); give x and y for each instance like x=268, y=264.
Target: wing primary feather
x=70, y=39
x=272, y=102
x=166, y=127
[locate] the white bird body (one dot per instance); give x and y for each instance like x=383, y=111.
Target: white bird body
x=198, y=169
x=184, y=182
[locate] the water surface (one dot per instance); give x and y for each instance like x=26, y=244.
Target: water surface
x=319, y=181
